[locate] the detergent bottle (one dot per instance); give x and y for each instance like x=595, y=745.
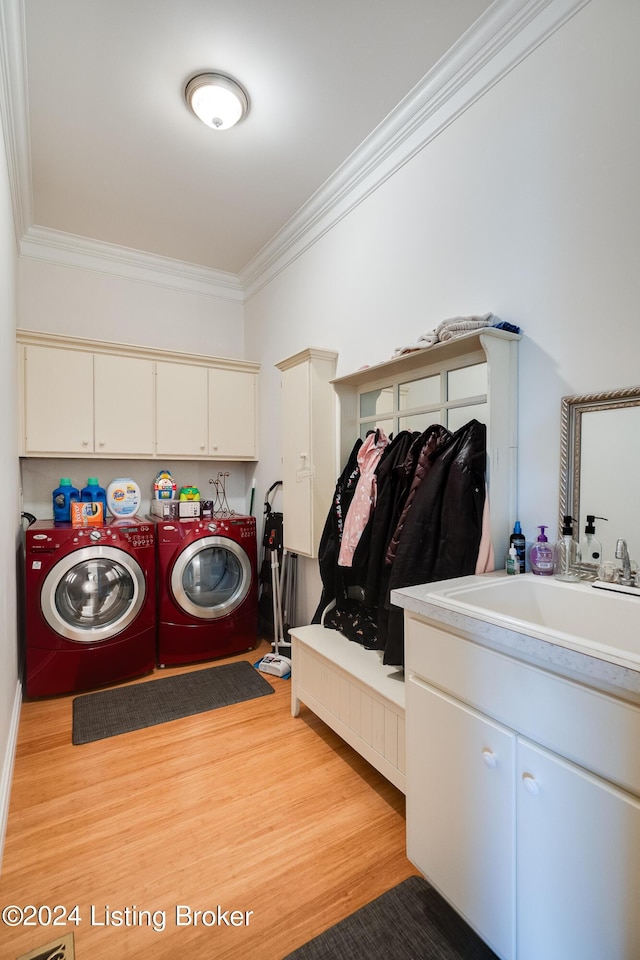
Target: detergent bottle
x=63, y=496
x=94, y=493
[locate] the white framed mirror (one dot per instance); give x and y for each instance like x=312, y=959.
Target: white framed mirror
x=600, y=465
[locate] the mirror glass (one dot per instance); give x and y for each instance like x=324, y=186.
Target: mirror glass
x=419, y=393
x=468, y=382
x=451, y=397
x=599, y=464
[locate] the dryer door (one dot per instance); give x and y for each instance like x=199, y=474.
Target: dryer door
x=211, y=578
x=93, y=594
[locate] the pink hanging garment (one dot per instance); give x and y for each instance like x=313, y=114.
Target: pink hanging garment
x=364, y=498
x=486, y=558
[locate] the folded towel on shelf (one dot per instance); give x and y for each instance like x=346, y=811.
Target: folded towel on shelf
x=426, y=340
x=457, y=326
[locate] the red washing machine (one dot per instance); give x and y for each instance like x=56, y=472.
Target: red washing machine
x=207, y=588
x=90, y=596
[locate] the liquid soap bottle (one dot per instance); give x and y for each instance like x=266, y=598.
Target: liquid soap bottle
x=590, y=546
x=517, y=540
x=566, y=554
x=541, y=555
x=512, y=564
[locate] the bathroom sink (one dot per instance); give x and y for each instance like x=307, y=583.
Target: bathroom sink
x=575, y=615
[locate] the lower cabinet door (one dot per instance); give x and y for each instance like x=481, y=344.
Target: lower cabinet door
x=578, y=875
x=461, y=810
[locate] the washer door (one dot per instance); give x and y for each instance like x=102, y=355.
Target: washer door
x=92, y=594
x=211, y=578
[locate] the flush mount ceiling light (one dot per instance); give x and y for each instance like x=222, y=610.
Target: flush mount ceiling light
x=217, y=100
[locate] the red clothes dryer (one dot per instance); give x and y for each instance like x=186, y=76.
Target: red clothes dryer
x=207, y=588
x=90, y=614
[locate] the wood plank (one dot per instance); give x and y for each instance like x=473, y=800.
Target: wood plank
x=244, y=807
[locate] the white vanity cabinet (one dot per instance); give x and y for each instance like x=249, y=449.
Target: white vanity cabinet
x=461, y=809
x=308, y=446
x=578, y=864
x=81, y=403
x=523, y=804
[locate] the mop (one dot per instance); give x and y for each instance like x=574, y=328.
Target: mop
x=274, y=663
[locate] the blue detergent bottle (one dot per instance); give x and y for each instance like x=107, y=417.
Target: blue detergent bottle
x=94, y=493
x=63, y=497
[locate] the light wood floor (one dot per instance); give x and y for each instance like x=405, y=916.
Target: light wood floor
x=245, y=808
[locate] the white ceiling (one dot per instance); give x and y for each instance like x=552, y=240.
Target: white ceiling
x=115, y=155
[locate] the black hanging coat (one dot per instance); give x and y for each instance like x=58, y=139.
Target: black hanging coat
x=334, y=578
x=442, y=531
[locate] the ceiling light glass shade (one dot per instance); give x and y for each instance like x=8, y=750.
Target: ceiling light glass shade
x=217, y=100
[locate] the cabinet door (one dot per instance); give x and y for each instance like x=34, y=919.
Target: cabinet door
x=58, y=401
x=461, y=810
x=124, y=405
x=578, y=873
x=232, y=414
x=297, y=480
x=181, y=410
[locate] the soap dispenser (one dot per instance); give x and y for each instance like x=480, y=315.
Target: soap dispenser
x=512, y=564
x=566, y=554
x=541, y=555
x=590, y=546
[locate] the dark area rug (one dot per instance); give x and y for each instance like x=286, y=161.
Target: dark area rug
x=108, y=713
x=408, y=922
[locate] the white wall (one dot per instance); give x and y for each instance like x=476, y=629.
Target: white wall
x=82, y=302
x=527, y=205
x=10, y=533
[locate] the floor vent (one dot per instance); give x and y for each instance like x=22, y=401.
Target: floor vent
x=59, y=949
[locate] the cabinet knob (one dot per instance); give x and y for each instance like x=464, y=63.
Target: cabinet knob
x=85, y=443
x=489, y=759
x=530, y=784
x=202, y=446
x=101, y=443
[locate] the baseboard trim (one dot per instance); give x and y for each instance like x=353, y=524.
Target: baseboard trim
x=6, y=773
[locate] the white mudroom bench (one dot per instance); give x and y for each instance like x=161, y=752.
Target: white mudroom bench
x=354, y=693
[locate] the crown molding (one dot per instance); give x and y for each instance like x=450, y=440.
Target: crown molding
x=500, y=39
x=14, y=112
x=65, y=249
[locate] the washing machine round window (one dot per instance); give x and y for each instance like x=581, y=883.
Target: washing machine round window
x=211, y=578
x=93, y=594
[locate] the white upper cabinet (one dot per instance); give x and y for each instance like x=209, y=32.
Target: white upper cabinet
x=89, y=398
x=57, y=400
x=181, y=402
x=233, y=398
x=124, y=412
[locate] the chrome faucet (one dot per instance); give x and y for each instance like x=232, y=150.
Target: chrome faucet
x=622, y=553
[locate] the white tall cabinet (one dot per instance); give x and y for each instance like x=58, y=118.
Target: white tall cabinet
x=308, y=446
